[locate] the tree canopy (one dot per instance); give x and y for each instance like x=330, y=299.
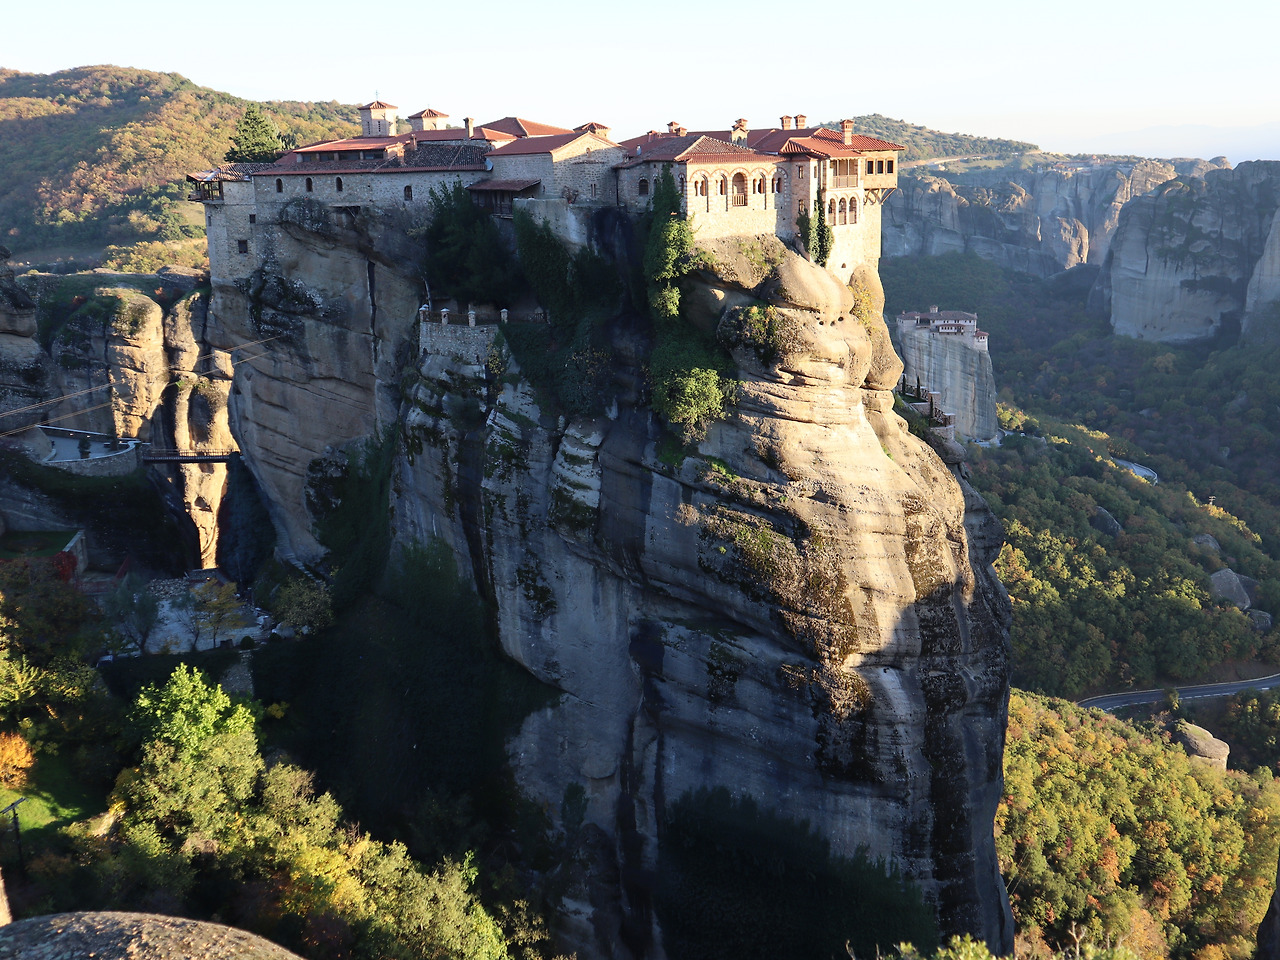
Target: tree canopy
x=256, y=139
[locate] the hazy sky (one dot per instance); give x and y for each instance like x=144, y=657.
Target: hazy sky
x=1068, y=76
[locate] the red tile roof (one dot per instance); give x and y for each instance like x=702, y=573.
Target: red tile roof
x=354, y=143
x=517, y=127
x=531, y=145
x=694, y=146
x=427, y=113
x=379, y=105
x=592, y=126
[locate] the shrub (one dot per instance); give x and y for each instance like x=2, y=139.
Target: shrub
x=16, y=759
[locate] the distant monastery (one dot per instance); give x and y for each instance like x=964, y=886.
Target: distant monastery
x=947, y=323
x=736, y=182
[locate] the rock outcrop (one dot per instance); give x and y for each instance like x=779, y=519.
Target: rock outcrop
x=1195, y=256
x=1039, y=221
x=796, y=611
x=131, y=936
x=1201, y=745
x=958, y=371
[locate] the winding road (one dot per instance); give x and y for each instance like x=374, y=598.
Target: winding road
x=1202, y=691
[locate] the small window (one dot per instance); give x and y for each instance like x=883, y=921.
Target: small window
x=682, y=187
x=253, y=218
x=800, y=171
x=593, y=190
x=831, y=210
x=279, y=185
x=242, y=246
x=644, y=187
x=879, y=166
x=338, y=183
x=408, y=193
x=309, y=187
x=802, y=206
x=888, y=166
x=723, y=186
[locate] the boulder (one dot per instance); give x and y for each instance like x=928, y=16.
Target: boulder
x=1208, y=541
x=1229, y=585
x=132, y=936
x=1104, y=522
x=1201, y=745
x=1261, y=620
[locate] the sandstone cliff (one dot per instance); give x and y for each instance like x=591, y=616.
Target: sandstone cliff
x=1195, y=255
x=1038, y=221
x=962, y=374
x=815, y=623
x=126, y=361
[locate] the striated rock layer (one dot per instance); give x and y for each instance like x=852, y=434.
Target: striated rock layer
x=1039, y=221
x=961, y=373
x=1195, y=256
x=812, y=621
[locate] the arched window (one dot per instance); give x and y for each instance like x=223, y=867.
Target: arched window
x=853, y=209
x=644, y=187
x=309, y=185
x=831, y=210
x=279, y=185
x=722, y=186
x=682, y=187
x=702, y=187
x=843, y=212
x=338, y=183
x=739, y=189
x=408, y=193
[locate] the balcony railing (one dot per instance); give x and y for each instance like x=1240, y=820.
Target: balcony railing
x=738, y=199
x=843, y=181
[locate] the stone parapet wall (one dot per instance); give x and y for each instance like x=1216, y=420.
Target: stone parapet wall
x=472, y=344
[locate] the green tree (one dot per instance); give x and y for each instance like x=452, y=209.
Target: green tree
x=187, y=711
x=256, y=139
x=134, y=610
x=303, y=603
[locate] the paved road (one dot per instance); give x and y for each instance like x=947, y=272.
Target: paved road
x=1203, y=691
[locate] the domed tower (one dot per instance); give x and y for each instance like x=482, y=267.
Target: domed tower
x=378, y=119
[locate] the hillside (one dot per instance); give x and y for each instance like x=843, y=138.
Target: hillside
x=97, y=155
x=922, y=143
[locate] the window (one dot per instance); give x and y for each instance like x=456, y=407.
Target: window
x=879, y=166
x=888, y=168
x=242, y=246
x=831, y=210
x=279, y=185
x=644, y=187
x=408, y=193
x=309, y=188
x=800, y=171
x=253, y=218
x=338, y=183
x=682, y=187
x=843, y=212
x=722, y=185
x=702, y=187
x=802, y=206
x=593, y=189
x=853, y=209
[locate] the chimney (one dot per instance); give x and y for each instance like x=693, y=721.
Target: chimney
x=846, y=128
x=800, y=121
x=682, y=131
x=469, y=123
x=739, y=132
x=933, y=308
x=786, y=123
x=673, y=126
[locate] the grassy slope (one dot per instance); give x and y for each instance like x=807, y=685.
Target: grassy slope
x=98, y=155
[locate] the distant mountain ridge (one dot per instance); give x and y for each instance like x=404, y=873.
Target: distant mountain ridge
x=97, y=155
x=922, y=143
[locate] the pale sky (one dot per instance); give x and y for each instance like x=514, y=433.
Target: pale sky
x=1072, y=77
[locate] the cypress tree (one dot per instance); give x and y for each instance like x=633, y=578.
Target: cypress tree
x=256, y=139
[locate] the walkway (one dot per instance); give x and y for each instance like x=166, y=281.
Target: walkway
x=163, y=455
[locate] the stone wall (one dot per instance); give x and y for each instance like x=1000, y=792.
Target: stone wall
x=116, y=465
x=961, y=373
x=470, y=344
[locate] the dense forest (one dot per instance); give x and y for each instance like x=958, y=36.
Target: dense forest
x=1099, y=606
x=923, y=143
x=97, y=156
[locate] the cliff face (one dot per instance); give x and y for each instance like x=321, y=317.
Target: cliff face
x=1039, y=222
x=815, y=623
x=963, y=375
x=148, y=354
x=1197, y=253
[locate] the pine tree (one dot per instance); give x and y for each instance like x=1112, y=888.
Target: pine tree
x=256, y=139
